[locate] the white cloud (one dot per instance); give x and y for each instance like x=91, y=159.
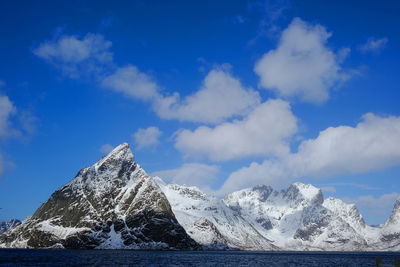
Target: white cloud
x=74, y=55
x=272, y=12
x=131, y=82
x=372, y=145
x=148, y=137
x=7, y=129
x=209, y=104
x=191, y=174
x=273, y=173
x=220, y=97
x=106, y=148
x=7, y=109
x=374, y=45
x=302, y=65
x=265, y=131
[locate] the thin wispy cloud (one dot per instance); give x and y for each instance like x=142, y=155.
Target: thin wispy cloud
x=14, y=124
x=271, y=13
x=7, y=109
x=76, y=56
x=374, y=45
x=356, y=185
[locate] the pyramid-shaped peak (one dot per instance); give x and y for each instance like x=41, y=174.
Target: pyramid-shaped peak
x=121, y=147
x=117, y=156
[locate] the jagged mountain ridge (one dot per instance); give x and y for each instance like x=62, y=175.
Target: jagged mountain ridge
x=296, y=218
x=210, y=222
x=116, y=204
x=390, y=235
x=112, y=204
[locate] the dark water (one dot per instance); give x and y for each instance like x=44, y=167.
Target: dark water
x=14, y=257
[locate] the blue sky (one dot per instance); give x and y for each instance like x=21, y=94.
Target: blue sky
x=222, y=95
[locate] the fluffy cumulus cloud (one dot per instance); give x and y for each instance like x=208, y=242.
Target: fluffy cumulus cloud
x=132, y=83
x=302, y=65
x=209, y=104
x=91, y=56
x=374, y=45
x=220, y=97
x=191, y=174
x=148, y=137
x=265, y=131
x=372, y=145
x=74, y=55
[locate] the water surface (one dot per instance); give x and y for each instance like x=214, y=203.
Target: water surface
x=31, y=257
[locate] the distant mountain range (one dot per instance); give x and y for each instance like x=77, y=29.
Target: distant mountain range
x=115, y=204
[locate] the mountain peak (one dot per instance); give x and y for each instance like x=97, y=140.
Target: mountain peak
x=395, y=215
x=304, y=192
x=264, y=191
x=109, y=172
x=118, y=156
x=112, y=204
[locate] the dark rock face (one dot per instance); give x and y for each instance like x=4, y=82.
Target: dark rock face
x=293, y=194
x=112, y=204
x=265, y=223
x=314, y=220
x=317, y=220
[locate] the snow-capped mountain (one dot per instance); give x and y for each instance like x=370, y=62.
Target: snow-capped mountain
x=389, y=238
x=115, y=204
x=112, y=204
x=210, y=222
x=4, y=226
x=298, y=218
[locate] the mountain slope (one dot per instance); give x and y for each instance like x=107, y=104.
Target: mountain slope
x=210, y=222
x=112, y=204
x=297, y=218
x=389, y=238
x=115, y=204
x=4, y=226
